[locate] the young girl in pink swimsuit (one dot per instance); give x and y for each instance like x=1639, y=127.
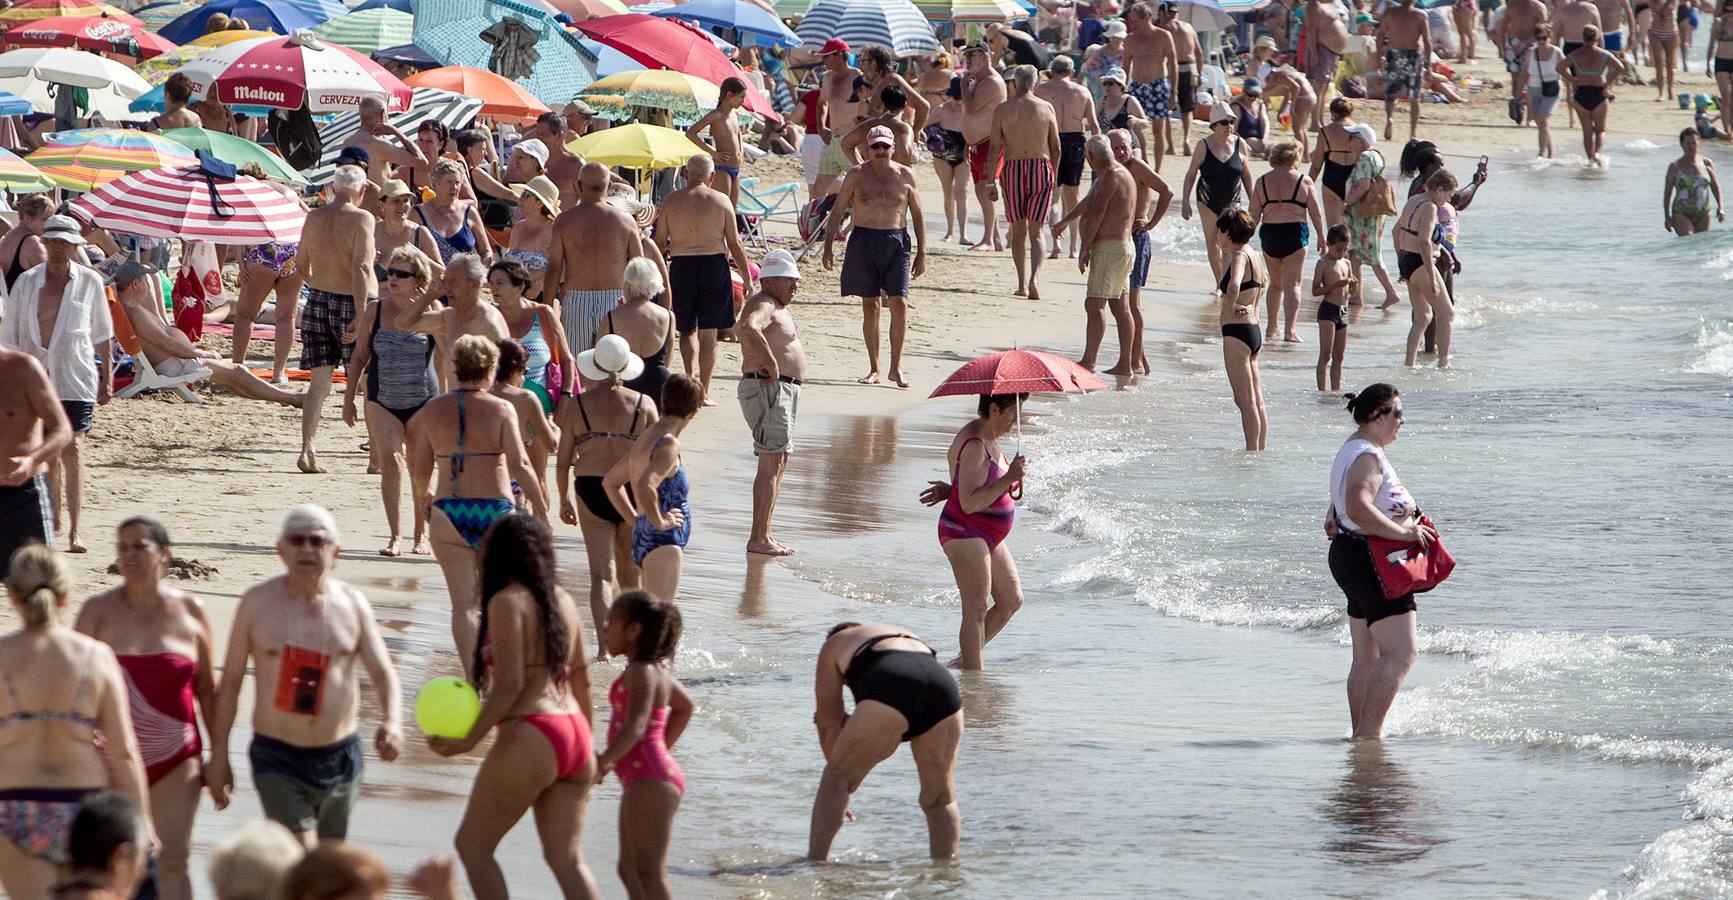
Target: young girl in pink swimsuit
x=650, y=710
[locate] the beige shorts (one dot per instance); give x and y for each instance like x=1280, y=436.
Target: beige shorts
x=178, y=368
x=1110, y=269
x=769, y=408
x=832, y=161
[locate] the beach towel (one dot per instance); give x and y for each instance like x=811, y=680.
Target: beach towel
x=197, y=287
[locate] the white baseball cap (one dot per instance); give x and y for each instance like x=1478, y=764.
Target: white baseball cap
x=778, y=264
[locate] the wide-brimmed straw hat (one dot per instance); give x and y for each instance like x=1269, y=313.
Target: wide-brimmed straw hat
x=544, y=190
x=643, y=214
x=611, y=356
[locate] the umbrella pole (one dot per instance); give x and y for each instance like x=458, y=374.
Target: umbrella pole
x=1018, y=400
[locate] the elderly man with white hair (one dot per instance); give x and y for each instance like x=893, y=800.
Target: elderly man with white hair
x=1107, y=216
x=336, y=256
x=772, y=368
x=305, y=634
x=373, y=136
x=467, y=314
x=698, y=235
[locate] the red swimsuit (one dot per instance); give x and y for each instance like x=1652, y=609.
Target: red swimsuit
x=164, y=705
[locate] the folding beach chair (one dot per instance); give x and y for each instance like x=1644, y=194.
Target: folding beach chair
x=145, y=378
x=811, y=223
x=757, y=207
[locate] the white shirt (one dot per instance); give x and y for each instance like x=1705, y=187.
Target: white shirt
x=69, y=354
x=1392, y=497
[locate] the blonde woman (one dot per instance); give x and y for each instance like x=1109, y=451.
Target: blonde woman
x=1283, y=201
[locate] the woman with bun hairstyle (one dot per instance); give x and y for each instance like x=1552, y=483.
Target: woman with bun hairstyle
x=1368, y=499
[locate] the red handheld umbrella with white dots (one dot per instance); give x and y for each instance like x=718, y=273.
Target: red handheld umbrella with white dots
x=285, y=71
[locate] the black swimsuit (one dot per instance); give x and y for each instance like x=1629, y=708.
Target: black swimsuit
x=589, y=487
x=1335, y=174
x=1283, y=239
x=913, y=683
x=16, y=267
x=1218, y=185
x=655, y=372
x=1245, y=332
x=1407, y=261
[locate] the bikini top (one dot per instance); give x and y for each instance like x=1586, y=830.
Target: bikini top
x=1403, y=225
x=589, y=432
x=20, y=714
x=1294, y=198
x=1600, y=73
x=1251, y=276
x=458, y=457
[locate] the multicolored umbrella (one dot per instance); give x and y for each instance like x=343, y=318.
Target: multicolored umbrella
x=83, y=159
x=676, y=45
x=157, y=15
x=454, y=111
x=743, y=16
x=78, y=68
x=896, y=25
x=685, y=97
x=501, y=98
x=285, y=72
x=637, y=146
x=789, y=9
x=156, y=71
x=522, y=42
x=31, y=10
x=18, y=175
x=399, y=5
x=98, y=34
x=275, y=16
x=177, y=203
x=369, y=30
x=972, y=11
x=236, y=151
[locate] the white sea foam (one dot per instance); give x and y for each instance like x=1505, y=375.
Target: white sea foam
x=1715, y=340
x=1695, y=859
x=1641, y=144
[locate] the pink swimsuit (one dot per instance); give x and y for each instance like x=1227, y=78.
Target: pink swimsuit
x=649, y=758
x=992, y=524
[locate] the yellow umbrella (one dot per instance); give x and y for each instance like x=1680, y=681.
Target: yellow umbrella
x=687, y=98
x=157, y=70
x=637, y=146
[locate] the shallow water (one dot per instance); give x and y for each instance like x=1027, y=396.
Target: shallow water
x=1166, y=714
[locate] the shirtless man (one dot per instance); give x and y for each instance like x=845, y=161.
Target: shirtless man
x=1026, y=153
x=698, y=235
x=373, y=136
x=983, y=91
x=879, y=68
x=1326, y=40
x=593, y=241
x=1513, y=35
x=562, y=165
x=304, y=633
x=723, y=122
x=893, y=102
x=1569, y=18
x=177, y=91
x=836, y=113
x=1149, y=184
x=466, y=314
x=337, y=256
x=877, y=268
x=33, y=431
x=1406, y=41
x=1074, y=109
x=772, y=366
x=1107, y=252
x=1191, y=61
x=1614, y=15
x=1152, y=64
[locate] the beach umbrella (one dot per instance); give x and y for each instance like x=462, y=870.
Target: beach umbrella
x=580, y=10
x=84, y=158
x=234, y=150
x=408, y=54
x=685, y=97
x=1237, y=7
x=98, y=34
x=18, y=175
x=106, y=102
x=1019, y=371
x=399, y=5
x=13, y=105
x=676, y=45
x=608, y=60
x=743, y=16
x=518, y=41
x=32, y=10
x=157, y=70
x=369, y=30
x=896, y=25
x=285, y=72
x=275, y=16
x=157, y=15
x=637, y=146
x=789, y=9
x=1205, y=15
x=454, y=111
x=972, y=11
x=177, y=203
x=501, y=98
x=74, y=67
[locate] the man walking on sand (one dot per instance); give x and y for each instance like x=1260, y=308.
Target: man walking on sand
x=58, y=314
x=1107, y=252
x=33, y=431
x=1513, y=34
x=723, y=123
x=1152, y=64
x=1074, y=109
x=698, y=235
x=1025, y=152
x=304, y=632
x=772, y=367
x=1406, y=40
x=894, y=103
x=337, y=256
x=983, y=91
x=1326, y=40
x=835, y=113
x=1191, y=59
x=593, y=241
x=877, y=267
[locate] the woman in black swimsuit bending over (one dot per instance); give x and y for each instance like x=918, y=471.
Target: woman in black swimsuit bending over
x=902, y=693
x=1219, y=160
x=1591, y=72
x=1240, y=286
x=1339, y=146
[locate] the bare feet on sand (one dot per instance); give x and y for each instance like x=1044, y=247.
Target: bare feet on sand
x=74, y=545
x=898, y=379
x=1021, y=291
x=770, y=547
x=1034, y=291
x=869, y=378
x=390, y=548
x=1118, y=370
x=308, y=463
x=421, y=548
x=1293, y=339
x=983, y=246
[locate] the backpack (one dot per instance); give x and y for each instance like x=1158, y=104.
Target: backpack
x=297, y=138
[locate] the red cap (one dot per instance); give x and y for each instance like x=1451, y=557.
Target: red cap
x=834, y=45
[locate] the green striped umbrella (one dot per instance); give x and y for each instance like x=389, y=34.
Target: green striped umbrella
x=973, y=11
x=369, y=30
x=236, y=151
x=788, y=9
x=157, y=15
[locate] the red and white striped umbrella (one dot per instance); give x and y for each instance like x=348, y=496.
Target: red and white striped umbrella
x=177, y=203
x=285, y=71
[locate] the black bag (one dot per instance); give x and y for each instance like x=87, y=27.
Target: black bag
x=296, y=137
x=1516, y=110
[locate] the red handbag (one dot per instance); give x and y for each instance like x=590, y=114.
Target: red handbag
x=1405, y=567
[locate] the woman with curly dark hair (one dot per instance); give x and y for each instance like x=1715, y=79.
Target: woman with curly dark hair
x=535, y=682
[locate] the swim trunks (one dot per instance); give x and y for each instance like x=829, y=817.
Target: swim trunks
x=703, y=292
x=876, y=264
x=1330, y=312
x=1401, y=73
x=1070, y=158
x=1155, y=96
x=1614, y=41
x=581, y=312
x=1321, y=63
x=811, y=151
x=308, y=788
x=832, y=161
x=770, y=408
x=323, y=321
x=1028, y=185
x=1514, y=48
x=978, y=155
x=279, y=257
x=1109, y=269
x=25, y=517
x=1144, y=249
x=1187, y=99
x=81, y=413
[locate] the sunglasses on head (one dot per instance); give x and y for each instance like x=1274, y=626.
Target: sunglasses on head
x=400, y=273
x=316, y=541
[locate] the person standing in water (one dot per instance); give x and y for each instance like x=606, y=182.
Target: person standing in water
x=1419, y=242
x=1283, y=201
x=1689, y=186
x=1540, y=67
x=1367, y=498
x=649, y=488
x=773, y=367
x=162, y=640
x=1334, y=281
x=1240, y=287
x=1591, y=72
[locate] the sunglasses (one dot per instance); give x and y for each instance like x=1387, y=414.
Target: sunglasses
x=1397, y=412
x=400, y=273
x=316, y=541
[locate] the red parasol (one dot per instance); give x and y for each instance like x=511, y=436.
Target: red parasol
x=101, y=34
x=1020, y=372
x=677, y=45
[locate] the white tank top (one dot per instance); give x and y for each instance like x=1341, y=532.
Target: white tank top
x=1392, y=498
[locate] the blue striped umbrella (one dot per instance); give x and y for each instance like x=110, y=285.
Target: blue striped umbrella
x=741, y=15
x=896, y=25
x=520, y=41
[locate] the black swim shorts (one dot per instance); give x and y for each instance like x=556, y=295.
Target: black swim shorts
x=877, y=263
x=1351, y=565
x=703, y=291
x=1070, y=159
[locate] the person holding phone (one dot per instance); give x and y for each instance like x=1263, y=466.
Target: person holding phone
x=1423, y=158
x=305, y=632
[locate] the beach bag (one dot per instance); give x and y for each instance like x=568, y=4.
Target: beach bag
x=1380, y=200
x=1404, y=567
x=297, y=138
x=1516, y=109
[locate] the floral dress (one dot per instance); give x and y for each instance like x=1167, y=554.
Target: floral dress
x=1365, y=234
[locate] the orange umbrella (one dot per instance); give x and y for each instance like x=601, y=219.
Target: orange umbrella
x=501, y=98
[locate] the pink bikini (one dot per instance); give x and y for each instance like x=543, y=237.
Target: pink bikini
x=649, y=758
